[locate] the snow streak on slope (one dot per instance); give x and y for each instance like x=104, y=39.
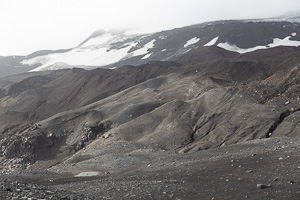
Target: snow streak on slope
x=192, y=41
x=212, y=42
x=276, y=42
x=144, y=50
x=146, y=56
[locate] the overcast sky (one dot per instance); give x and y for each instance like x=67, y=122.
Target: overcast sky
x=31, y=25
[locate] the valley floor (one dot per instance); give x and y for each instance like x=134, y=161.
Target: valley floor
x=258, y=169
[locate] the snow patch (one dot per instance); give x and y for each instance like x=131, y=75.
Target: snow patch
x=276, y=42
x=146, y=56
x=284, y=42
x=144, y=50
x=192, y=41
x=87, y=174
x=212, y=42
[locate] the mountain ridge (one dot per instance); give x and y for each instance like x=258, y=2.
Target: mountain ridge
x=117, y=49
x=123, y=49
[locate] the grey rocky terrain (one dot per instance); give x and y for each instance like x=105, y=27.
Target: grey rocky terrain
x=206, y=124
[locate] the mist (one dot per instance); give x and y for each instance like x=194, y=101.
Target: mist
x=32, y=25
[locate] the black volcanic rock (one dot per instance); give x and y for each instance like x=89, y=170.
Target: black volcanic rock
x=46, y=52
x=206, y=54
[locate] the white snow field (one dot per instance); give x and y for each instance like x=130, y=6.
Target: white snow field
x=96, y=52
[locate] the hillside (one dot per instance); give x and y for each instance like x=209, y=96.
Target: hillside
x=111, y=121
x=209, y=111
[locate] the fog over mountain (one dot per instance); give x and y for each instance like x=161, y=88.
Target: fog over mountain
x=33, y=25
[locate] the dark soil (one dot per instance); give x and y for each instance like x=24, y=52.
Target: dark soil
x=233, y=172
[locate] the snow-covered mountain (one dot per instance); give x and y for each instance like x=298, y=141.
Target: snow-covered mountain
x=103, y=48
x=114, y=49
